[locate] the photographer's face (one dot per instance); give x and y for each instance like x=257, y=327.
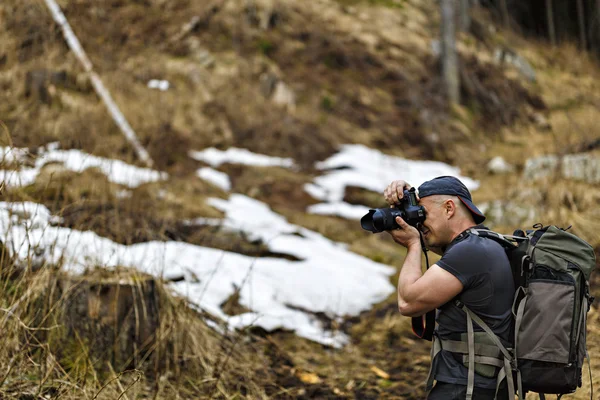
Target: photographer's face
x=435, y=229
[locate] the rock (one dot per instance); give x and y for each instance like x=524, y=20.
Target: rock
x=284, y=96
x=498, y=165
x=267, y=83
x=502, y=55
x=540, y=167
x=507, y=213
x=583, y=167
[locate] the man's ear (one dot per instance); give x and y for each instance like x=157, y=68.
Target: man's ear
x=450, y=208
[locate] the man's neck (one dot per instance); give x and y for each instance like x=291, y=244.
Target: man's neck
x=463, y=226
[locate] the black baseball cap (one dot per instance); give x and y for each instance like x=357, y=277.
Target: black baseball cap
x=454, y=187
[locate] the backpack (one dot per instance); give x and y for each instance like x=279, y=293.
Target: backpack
x=551, y=269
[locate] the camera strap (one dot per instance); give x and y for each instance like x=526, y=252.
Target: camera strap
x=424, y=325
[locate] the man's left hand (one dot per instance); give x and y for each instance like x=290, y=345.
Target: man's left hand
x=407, y=235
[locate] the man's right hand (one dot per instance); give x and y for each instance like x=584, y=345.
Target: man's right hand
x=395, y=191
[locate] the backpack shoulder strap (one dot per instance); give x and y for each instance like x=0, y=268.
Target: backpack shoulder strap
x=506, y=241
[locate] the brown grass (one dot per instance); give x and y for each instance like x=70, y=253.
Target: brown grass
x=186, y=358
x=379, y=90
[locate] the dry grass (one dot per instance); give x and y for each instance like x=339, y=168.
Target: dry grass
x=184, y=359
x=360, y=74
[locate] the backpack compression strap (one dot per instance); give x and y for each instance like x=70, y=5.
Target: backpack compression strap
x=509, y=366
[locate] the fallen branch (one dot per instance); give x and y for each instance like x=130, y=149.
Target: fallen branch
x=104, y=94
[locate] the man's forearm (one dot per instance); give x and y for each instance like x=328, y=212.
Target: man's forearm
x=409, y=274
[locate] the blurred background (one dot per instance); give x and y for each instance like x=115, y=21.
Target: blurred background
x=181, y=194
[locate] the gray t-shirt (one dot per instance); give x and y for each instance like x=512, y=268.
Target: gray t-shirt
x=482, y=266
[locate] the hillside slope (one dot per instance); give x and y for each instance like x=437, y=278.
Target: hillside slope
x=293, y=80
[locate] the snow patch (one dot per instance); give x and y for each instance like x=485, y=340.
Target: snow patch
x=235, y=155
x=217, y=178
x=116, y=171
x=329, y=279
x=159, y=84
x=360, y=166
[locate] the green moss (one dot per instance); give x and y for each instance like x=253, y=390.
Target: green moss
x=265, y=46
x=327, y=103
x=384, y=383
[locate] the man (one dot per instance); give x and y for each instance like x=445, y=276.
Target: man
x=473, y=270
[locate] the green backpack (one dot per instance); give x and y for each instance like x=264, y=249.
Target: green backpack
x=551, y=269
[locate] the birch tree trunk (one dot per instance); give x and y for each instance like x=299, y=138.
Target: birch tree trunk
x=449, y=56
x=550, y=21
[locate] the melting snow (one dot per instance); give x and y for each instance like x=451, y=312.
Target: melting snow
x=329, y=278
x=339, y=209
x=360, y=166
x=159, y=84
x=115, y=170
x=234, y=155
x=217, y=178
x=9, y=155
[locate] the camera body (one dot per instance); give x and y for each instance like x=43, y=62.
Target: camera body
x=384, y=219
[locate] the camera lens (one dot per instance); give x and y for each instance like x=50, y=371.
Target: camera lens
x=381, y=219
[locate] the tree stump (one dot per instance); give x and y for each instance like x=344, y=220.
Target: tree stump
x=116, y=320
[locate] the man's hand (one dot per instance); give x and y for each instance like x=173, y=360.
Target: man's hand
x=407, y=235
x=395, y=191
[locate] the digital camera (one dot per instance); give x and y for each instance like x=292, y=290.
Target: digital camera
x=384, y=219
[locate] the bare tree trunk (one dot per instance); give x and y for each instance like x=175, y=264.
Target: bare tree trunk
x=119, y=320
x=504, y=12
x=594, y=24
x=581, y=18
x=465, y=15
x=595, y=28
x=449, y=56
x=550, y=21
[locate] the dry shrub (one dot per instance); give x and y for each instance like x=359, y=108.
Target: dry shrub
x=42, y=357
